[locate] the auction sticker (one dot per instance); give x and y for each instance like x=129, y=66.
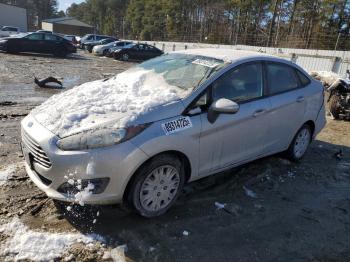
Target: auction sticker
x=177, y=125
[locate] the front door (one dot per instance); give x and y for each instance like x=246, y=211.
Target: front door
x=33, y=43
x=234, y=138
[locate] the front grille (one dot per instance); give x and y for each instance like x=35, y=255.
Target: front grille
x=38, y=154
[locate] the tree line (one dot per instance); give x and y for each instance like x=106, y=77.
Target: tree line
x=316, y=24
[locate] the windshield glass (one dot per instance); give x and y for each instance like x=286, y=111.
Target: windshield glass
x=183, y=70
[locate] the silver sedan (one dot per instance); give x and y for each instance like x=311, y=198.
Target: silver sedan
x=140, y=136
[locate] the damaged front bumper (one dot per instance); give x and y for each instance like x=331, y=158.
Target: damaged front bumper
x=63, y=174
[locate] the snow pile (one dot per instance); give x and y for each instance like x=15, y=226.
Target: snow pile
x=326, y=77
x=124, y=96
x=23, y=243
x=84, y=194
x=6, y=173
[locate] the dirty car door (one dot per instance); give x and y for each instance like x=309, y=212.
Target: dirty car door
x=288, y=104
x=238, y=137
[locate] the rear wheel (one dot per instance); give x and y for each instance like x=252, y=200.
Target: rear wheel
x=334, y=104
x=157, y=185
x=300, y=143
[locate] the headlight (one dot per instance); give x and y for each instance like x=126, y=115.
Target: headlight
x=102, y=137
x=117, y=50
x=3, y=41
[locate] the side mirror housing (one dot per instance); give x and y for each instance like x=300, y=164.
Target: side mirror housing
x=225, y=106
x=221, y=106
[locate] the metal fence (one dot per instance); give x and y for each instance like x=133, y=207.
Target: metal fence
x=319, y=60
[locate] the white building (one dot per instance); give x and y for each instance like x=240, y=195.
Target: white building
x=11, y=15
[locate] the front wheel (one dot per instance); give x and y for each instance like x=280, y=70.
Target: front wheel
x=157, y=186
x=300, y=143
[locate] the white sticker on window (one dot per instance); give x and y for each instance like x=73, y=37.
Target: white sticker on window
x=206, y=63
x=177, y=125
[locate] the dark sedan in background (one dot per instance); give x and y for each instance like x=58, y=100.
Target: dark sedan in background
x=37, y=42
x=137, y=52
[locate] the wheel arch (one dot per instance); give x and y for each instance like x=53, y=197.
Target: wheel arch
x=183, y=158
x=311, y=124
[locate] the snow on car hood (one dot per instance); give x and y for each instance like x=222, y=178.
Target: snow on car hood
x=122, y=98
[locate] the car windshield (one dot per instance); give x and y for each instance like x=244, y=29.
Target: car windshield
x=183, y=70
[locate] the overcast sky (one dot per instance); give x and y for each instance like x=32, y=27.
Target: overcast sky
x=64, y=4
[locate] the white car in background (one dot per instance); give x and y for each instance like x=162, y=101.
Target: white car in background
x=7, y=31
x=117, y=46
x=105, y=49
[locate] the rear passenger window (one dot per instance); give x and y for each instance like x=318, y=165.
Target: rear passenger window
x=303, y=78
x=281, y=78
x=240, y=84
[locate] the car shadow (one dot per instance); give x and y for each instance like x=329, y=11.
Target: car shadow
x=256, y=197
x=73, y=56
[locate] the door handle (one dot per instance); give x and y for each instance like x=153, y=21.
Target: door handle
x=259, y=112
x=300, y=99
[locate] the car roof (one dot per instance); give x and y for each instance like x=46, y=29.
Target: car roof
x=228, y=55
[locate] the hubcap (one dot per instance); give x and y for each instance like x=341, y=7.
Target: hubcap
x=301, y=142
x=159, y=188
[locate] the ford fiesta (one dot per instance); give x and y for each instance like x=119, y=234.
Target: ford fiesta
x=140, y=136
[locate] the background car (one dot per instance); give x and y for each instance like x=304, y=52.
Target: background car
x=90, y=38
x=137, y=52
x=38, y=43
x=44, y=31
x=72, y=38
x=9, y=30
x=89, y=45
x=118, y=45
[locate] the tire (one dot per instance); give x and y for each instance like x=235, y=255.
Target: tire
x=125, y=57
x=156, y=186
x=105, y=52
x=300, y=143
x=334, y=106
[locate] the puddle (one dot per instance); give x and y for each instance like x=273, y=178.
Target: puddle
x=25, y=93
x=69, y=82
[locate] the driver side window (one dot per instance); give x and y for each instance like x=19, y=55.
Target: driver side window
x=240, y=84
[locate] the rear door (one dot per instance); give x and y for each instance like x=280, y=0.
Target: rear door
x=52, y=42
x=287, y=101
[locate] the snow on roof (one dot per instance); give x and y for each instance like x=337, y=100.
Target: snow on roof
x=228, y=55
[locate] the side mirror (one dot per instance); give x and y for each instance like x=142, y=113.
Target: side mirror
x=221, y=106
x=225, y=106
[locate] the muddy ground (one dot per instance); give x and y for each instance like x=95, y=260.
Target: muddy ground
x=275, y=210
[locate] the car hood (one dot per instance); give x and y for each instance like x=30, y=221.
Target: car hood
x=133, y=97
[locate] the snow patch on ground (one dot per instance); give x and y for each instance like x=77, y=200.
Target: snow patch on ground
x=7, y=172
x=23, y=243
x=249, y=192
x=122, y=97
x=325, y=77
